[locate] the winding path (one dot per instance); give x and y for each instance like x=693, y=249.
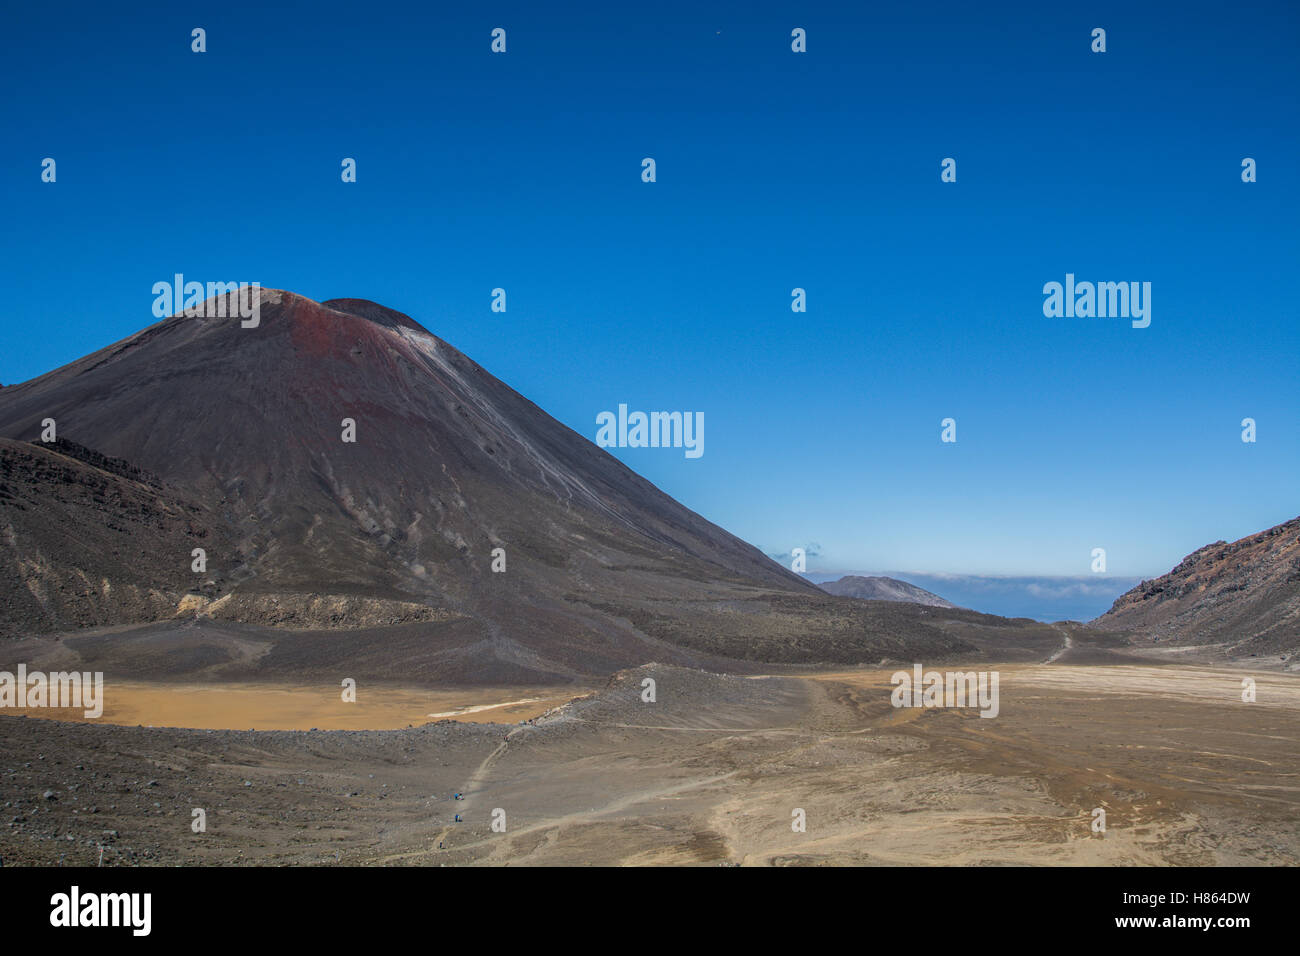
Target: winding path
x=1065, y=646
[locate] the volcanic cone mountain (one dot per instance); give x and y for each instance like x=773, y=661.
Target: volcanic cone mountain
x=402, y=526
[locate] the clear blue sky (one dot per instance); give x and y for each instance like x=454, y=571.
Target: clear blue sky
x=775, y=170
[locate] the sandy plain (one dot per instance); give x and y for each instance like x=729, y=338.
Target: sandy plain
x=713, y=772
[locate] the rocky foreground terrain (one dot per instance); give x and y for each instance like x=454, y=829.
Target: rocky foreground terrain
x=710, y=773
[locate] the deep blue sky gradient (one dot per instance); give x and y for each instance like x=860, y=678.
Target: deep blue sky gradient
x=775, y=170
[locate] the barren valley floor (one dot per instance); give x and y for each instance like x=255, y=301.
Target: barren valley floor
x=710, y=773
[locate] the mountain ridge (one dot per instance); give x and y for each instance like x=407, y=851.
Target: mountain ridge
x=1244, y=593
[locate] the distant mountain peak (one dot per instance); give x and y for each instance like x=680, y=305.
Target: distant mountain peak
x=877, y=588
x=380, y=314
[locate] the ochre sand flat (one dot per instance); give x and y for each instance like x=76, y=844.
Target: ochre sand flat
x=247, y=706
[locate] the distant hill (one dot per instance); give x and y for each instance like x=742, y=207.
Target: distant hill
x=883, y=589
x=1246, y=593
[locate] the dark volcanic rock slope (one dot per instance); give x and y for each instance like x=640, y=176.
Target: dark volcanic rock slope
x=448, y=464
x=88, y=540
x=1246, y=593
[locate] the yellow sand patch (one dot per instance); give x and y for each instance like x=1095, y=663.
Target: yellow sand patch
x=302, y=707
